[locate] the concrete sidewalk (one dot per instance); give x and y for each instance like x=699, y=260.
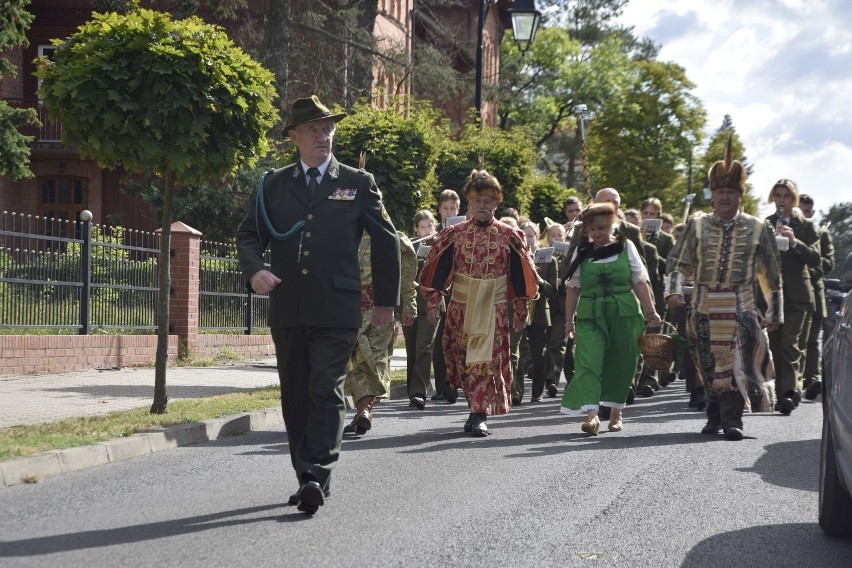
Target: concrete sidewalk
x=48, y=398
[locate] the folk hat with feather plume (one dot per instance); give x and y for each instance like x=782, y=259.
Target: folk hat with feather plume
x=481, y=182
x=729, y=172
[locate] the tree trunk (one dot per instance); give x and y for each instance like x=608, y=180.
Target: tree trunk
x=164, y=266
x=277, y=50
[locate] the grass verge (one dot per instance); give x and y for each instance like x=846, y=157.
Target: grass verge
x=28, y=440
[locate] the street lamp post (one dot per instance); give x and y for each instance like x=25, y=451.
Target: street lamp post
x=525, y=20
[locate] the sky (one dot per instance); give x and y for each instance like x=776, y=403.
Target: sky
x=782, y=69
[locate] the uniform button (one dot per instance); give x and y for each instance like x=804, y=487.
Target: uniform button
x=308, y=234
x=304, y=271
x=306, y=253
x=310, y=216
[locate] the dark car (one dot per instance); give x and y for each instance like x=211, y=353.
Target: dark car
x=835, y=292
x=835, y=469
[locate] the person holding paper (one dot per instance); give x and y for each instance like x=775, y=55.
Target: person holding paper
x=449, y=205
x=538, y=322
x=607, y=293
x=800, y=252
x=560, y=349
x=420, y=335
x=487, y=264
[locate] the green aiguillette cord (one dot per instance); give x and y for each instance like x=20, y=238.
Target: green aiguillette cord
x=261, y=206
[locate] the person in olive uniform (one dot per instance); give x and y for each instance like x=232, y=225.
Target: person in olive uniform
x=801, y=253
x=311, y=216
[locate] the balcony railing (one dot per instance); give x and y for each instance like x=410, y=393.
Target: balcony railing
x=50, y=131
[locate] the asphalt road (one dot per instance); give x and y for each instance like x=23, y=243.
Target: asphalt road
x=416, y=491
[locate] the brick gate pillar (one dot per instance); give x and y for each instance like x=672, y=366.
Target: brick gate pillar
x=185, y=262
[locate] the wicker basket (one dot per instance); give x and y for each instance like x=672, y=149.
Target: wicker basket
x=658, y=348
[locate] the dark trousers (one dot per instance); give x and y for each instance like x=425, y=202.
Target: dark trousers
x=518, y=356
x=813, y=355
x=788, y=344
x=725, y=409
x=311, y=368
x=439, y=363
x=538, y=354
x=560, y=351
x=419, y=339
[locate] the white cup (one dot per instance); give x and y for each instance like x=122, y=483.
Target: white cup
x=783, y=242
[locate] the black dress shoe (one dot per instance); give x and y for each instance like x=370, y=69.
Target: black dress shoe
x=439, y=396
x=294, y=498
x=535, y=399
x=711, y=428
x=733, y=433
x=604, y=412
x=552, y=390
x=452, y=395
x=478, y=426
x=796, y=395
x=814, y=389
x=785, y=406
x=418, y=401
x=516, y=401
x=468, y=424
x=646, y=390
x=311, y=497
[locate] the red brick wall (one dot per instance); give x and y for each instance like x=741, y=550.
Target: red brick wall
x=29, y=354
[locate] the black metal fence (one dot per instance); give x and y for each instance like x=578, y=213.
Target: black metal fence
x=224, y=303
x=78, y=277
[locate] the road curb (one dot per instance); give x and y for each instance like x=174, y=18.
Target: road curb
x=56, y=462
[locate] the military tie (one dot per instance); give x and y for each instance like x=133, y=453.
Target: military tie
x=312, y=181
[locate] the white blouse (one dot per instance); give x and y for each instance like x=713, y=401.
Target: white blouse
x=638, y=272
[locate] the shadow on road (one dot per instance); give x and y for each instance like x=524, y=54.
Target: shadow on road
x=38, y=546
x=771, y=545
x=792, y=464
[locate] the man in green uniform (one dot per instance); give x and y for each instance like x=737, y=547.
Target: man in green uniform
x=311, y=215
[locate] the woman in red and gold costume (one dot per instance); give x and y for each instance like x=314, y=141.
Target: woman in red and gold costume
x=487, y=264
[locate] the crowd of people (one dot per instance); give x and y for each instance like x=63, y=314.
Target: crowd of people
x=488, y=302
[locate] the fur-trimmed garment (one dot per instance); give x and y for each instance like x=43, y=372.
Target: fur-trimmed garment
x=491, y=266
x=726, y=260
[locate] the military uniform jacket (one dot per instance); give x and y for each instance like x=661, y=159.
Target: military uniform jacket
x=797, y=261
x=826, y=252
x=318, y=266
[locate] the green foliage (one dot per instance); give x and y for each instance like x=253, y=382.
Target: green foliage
x=14, y=146
x=155, y=95
x=639, y=142
x=509, y=155
x=213, y=207
x=548, y=197
x=401, y=152
x=840, y=219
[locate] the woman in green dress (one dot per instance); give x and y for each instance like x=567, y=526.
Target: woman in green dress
x=607, y=293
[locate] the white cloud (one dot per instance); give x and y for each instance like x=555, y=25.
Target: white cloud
x=782, y=70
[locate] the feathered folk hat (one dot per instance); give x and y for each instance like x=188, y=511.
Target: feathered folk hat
x=729, y=172
x=481, y=182
x=789, y=184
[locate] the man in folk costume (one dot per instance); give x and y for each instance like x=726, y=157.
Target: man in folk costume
x=488, y=265
x=726, y=252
